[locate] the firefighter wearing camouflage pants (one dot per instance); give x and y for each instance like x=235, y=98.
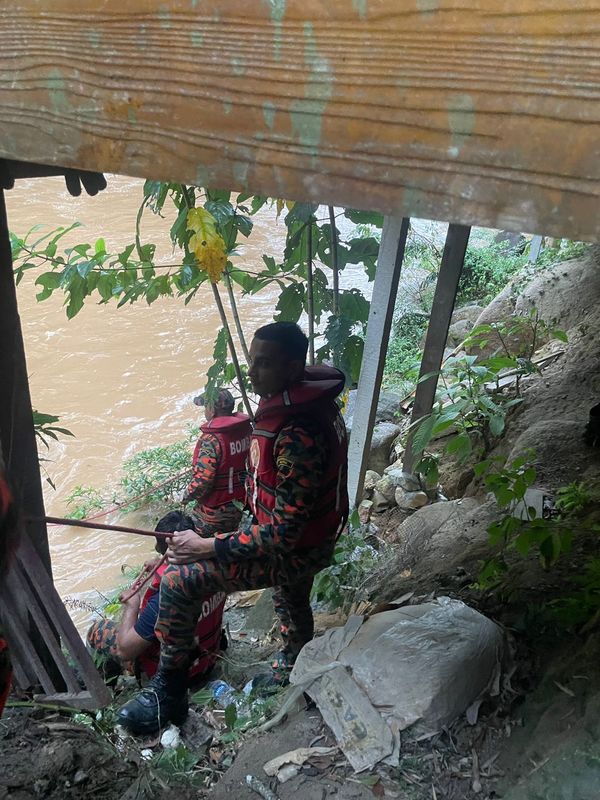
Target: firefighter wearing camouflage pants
x=297, y=496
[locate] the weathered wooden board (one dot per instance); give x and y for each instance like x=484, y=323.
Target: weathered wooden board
x=473, y=111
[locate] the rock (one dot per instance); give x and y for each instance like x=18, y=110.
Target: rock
x=563, y=294
x=556, y=446
x=386, y=487
x=410, y=500
x=388, y=408
x=405, y=480
x=364, y=511
x=261, y=616
x=384, y=434
x=458, y=332
x=513, y=242
x=380, y=503
x=371, y=478
x=469, y=312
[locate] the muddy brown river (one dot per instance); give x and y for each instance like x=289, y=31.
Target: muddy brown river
x=120, y=379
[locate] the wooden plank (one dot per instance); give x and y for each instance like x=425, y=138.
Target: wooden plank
x=17, y=436
x=17, y=583
x=444, y=298
x=381, y=313
x=16, y=629
x=63, y=623
x=478, y=112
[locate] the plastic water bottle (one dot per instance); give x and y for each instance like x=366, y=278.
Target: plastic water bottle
x=223, y=693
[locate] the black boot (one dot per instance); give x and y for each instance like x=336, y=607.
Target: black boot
x=163, y=700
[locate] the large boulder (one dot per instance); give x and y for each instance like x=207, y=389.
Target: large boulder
x=388, y=408
x=470, y=313
x=558, y=451
x=458, y=332
x=563, y=295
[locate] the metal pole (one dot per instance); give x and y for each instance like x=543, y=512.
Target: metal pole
x=17, y=435
x=444, y=299
x=381, y=314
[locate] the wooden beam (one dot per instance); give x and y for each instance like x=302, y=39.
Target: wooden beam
x=381, y=314
x=17, y=435
x=444, y=299
x=481, y=112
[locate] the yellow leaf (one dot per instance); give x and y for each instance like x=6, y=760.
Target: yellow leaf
x=344, y=400
x=279, y=204
x=207, y=244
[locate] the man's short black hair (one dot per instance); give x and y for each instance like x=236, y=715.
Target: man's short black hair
x=289, y=336
x=171, y=522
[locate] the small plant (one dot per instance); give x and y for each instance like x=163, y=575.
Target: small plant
x=45, y=429
x=522, y=528
x=471, y=399
x=83, y=501
x=574, y=498
x=353, y=562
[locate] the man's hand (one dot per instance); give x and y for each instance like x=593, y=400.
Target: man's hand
x=185, y=547
x=132, y=604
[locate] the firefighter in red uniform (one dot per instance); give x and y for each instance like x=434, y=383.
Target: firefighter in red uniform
x=217, y=488
x=297, y=494
x=219, y=463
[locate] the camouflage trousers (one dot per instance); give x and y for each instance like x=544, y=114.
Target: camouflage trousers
x=184, y=588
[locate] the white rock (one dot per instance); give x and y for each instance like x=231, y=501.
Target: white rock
x=171, y=737
x=381, y=503
x=386, y=487
x=410, y=500
x=371, y=478
x=364, y=511
x=147, y=754
x=406, y=480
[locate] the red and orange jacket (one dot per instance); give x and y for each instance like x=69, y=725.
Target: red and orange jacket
x=314, y=398
x=207, y=637
x=233, y=434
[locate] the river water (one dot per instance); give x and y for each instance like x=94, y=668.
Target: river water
x=120, y=379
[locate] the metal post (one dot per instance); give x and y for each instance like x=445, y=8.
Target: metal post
x=381, y=313
x=535, y=248
x=17, y=435
x=444, y=299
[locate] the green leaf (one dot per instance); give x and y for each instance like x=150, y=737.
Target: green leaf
x=364, y=217
x=290, y=304
x=231, y=716
x=560, y=335
x=221, y=210
x=422, y=435
x=460, y=446
x=100, y=247
x=49, y=281
x=496, y=424
x=354, y=305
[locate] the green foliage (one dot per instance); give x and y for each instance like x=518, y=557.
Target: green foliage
x=470, y=400
x=148, y=469
x=339, y=585
x=404, y=350
x=522, y=530
x=45, y=428
x=83, y=501
x=574, y=498
x=486, y=271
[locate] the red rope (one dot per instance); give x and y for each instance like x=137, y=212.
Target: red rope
x=141, y=580
x=97, y=526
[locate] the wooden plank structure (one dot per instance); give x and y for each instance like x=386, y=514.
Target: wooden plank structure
x=476, y=112
x=39, y=629
x=479, y=112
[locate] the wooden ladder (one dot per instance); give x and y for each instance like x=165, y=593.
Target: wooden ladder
x=28, y=597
